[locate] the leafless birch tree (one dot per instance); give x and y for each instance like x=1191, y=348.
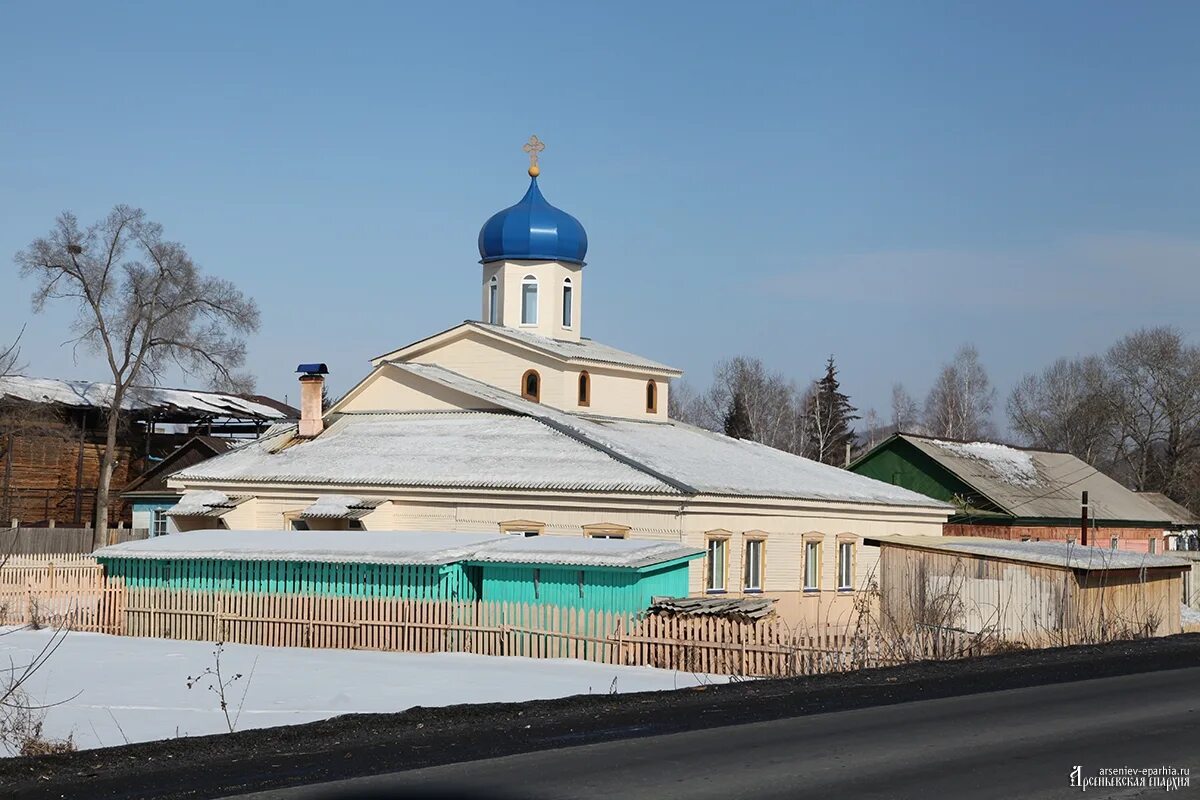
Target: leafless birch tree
x=1066, y=407
x=142, y=305
x=905, y=415
x=959, y=405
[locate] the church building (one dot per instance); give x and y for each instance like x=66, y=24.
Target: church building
x=517, y=423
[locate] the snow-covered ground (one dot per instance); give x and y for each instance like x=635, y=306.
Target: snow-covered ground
x=136, y=689
x=1189, y=615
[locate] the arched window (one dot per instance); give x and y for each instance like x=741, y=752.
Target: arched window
x=566, y=304
x=651, y=397
x=493, y=299
x=531, y=385
x=529, y=300
x=585, y=389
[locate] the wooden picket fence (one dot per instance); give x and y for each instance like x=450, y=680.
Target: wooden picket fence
x=76, y=593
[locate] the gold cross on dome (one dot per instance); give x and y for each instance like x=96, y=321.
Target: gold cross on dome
x=533, y=147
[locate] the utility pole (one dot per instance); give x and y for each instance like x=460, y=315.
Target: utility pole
x=1083, y=520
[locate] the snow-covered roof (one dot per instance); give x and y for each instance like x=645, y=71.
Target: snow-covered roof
x=581, y=350
x=402, y=547
x=491, y=450
x=1037, y=483
x=339, y=506
x=539, y=447
x=1055, y=554
x=203, y=503
x=89, y=394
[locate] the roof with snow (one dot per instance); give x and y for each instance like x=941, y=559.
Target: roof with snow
x=1032, y=483
x=525, y=445
x=583, y=351
x=90, y=394
x=402, y=547
x=1055, y=554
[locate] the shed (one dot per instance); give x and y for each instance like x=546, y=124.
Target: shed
x=601, y=574
x=1036, y=593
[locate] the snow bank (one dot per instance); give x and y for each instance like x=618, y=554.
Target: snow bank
x=139, y=686
x=1189, y=615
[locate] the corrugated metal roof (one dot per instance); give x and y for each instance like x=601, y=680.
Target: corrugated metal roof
x=488, y=450
x=1054, y=554
x=403, y=547
x=90, y=394
x=1037, y=483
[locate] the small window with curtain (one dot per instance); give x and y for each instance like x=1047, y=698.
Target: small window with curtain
x=845, y=566
x=567, y=310
x=716, y=564
x=585, y=389
x=529, y=300
x=812, y=566
x=752, y=565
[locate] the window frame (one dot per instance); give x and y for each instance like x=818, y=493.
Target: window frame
x=583, y=389
x=606, y=530
x=534, y=396
x=750, y=541
x=712, y=539
x=527, y=281
x=568, y=308
x=651, y=397
x=846, y=565
x=812, y=544
x=493, y=300
x=156, y=516
x=522, y=527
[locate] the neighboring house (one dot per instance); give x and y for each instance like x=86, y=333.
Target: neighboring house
x=148, y=495
x=1036, y=593
x=519, y=424
x=1184, y=533
x=1005, y=492
x=53, y=432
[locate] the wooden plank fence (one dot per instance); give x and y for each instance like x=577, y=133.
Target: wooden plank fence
x=31, y=541
x=74, y=592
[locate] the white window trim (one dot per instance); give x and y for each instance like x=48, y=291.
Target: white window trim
x=493, y=300
x=568, y=315
x=709, y=573
x=757, y=586
x=804, y=584
x=845, y=566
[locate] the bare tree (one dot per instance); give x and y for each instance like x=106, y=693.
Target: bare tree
x=681, y=402
x=1066, y=407
x=905, y=415
x=143, y=305
x=769, y=398
x=959, y=405
x=1154, y=390
x=10, y=355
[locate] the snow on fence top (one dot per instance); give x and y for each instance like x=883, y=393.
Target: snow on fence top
x=89, y=394
x=400, y=547
x=1054, y=554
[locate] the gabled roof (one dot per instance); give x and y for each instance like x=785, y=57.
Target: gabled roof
x=1179, y=515
x=584, y=351
x=1033, y=483
x=91, y=394
x=533, y=446
x=193, y=451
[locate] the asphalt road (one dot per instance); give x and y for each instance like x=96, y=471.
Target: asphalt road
x=1017, y=743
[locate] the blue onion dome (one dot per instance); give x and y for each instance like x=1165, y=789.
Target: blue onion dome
x=532, y=230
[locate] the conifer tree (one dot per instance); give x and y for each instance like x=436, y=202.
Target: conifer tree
x=737, y=419
x=828, y=418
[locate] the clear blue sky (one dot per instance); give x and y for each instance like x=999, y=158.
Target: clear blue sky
x=880, y=181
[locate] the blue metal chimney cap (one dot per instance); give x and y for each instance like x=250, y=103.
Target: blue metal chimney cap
x=313, y=369
x=532, y=230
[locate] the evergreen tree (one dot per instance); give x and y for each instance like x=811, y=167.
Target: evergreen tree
x=737, y=419
x=828, y=419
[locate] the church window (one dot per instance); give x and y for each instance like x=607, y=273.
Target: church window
x=493, y=300
x=651, y=397
x=531, y=385
x=566, y=303
x=585, y=389
x=529, y=300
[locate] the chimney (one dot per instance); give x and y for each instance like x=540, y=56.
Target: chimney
x=312, y=383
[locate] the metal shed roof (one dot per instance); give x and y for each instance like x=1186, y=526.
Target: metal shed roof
x=1054, y=554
